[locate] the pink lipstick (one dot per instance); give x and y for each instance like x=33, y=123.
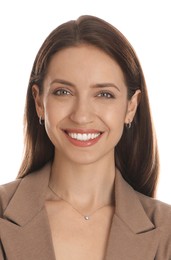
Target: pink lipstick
x=83, y=138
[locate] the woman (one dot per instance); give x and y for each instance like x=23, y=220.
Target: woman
x=88, y=177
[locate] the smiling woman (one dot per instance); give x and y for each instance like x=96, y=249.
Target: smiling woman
x=91, y=163
x=89, y=107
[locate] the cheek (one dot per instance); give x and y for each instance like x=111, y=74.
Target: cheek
x=114, y=116
x=53, y=115
x=54, y=112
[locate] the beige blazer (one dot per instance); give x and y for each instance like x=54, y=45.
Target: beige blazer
x=141, y=226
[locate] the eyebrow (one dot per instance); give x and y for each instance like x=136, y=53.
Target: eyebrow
x=98, y=85
x=106, y=85
x=61, y=81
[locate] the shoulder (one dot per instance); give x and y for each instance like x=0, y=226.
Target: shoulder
x=156, y=210
x=6, y=193
x=26, y=191
x=160, y=215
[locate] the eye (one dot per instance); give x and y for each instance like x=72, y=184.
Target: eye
x=107, y=95
x=61, y=92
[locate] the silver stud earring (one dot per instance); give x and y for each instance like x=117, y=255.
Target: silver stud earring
x=41, y=121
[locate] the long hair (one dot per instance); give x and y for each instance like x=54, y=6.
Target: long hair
x=136, y=154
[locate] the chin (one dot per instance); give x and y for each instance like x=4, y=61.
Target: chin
x=82, y=159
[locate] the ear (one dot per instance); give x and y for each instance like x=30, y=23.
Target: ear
x=38, y=101
x=132, y=106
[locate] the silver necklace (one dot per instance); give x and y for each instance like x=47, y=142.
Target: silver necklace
x=85, y=216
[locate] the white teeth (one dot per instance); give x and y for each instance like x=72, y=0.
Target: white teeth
x=83, y=137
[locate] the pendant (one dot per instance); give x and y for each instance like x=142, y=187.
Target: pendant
x=86, y=217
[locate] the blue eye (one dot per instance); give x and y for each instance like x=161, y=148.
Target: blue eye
x=61, y=92
x=105, y=95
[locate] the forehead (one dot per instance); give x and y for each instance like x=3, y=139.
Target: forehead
x=83, y=53
x=85, y=62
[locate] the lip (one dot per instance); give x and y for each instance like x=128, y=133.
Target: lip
x=82, y=131
x=81, y=143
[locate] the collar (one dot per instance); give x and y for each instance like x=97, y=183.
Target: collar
x=128, y=207
x=30, y=197
x=132, y=235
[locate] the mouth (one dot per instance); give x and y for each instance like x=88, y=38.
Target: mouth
x=83, y=136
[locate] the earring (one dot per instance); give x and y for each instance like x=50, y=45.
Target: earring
x=128, y=126
x=41, y=121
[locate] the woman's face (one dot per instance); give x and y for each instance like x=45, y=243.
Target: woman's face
x=84, y=104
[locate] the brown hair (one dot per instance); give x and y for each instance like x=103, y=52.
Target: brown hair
x=136, y=153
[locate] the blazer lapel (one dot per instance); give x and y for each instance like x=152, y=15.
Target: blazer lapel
x=25, y=231
x=133, y=235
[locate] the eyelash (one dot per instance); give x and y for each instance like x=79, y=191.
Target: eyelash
x=106, y=95
x=61, y=92
x=102, y=94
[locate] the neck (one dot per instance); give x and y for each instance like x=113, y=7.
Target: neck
x=85, y=186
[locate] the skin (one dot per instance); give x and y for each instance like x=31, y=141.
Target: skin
x=84, y=90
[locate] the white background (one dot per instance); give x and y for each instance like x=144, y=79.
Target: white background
x=24, y=26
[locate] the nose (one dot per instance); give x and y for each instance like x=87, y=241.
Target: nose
x=82, y=112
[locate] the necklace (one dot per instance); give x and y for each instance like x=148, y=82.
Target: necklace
x=85, y=216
